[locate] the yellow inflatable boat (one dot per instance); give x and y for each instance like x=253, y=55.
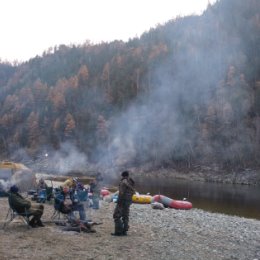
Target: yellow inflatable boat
x=142, y=199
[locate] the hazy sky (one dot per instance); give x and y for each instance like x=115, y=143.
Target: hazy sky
x=28, y=27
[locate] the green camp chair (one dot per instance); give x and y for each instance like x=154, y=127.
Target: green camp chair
x=12, y=214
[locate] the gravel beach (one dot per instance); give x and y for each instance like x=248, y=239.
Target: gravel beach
x=154, y=234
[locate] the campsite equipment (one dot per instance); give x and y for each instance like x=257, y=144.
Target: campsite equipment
x=104, y=192
x=115, y=197
x=171, y=203
x=157, y=205
x=42, y=196
x=142, y=198
x=18, y=173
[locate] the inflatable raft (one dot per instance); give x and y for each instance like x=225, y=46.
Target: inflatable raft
x=142, y=199
x=168, y=202
x=104, y=192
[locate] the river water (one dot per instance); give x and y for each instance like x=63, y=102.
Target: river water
x=239, y=200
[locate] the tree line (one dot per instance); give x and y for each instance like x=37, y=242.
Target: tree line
x=183, y=93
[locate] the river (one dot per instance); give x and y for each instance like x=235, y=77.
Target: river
x=239, y=200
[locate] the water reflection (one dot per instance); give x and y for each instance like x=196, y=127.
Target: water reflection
x=240, y=200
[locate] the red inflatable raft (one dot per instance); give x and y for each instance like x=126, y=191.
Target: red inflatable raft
x=104, y=192
x=176, y=204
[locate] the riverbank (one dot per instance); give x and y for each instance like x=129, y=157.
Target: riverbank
x=154, y=234
x=202, y=174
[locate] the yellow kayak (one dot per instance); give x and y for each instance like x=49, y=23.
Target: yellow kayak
x=142, y=199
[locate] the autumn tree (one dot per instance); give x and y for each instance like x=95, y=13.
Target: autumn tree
x=34, y=132
x=83, y=75
x=102, y=128
x=57, y=95
x=40, y=91
x=70, y=126
x=106, y=81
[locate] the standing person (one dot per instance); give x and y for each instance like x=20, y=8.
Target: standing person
x=79, y=195
x=21, y=205
x=42, y=185
x=95, y=189
x=42, y=189
x=121, y=213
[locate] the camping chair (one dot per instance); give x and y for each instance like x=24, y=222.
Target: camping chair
x=49, y=193
x=42, y=196
x=59, y=215
x=12, y=214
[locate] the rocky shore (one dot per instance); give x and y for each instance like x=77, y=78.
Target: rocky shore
x=203, y=174
x=154, y=234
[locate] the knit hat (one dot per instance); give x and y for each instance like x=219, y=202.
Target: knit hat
x=14, y=189
x=125, y=174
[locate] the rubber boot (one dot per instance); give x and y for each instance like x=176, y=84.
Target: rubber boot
x=125, y=228
x=39, y=223
x=118, y=229
x=32, y=222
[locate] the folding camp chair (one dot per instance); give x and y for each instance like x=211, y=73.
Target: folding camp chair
x=49, y=193
x=44, y=194
x=59, y=215
x=12, y=214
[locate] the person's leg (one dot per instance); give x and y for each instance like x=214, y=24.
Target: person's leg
x=95, y=202
x=118, y=221
x=36, y=210
x=33, y=221
x=82, y=213
x=71, y=217
x=71, y=214
x=86, y=206
x=125, y=216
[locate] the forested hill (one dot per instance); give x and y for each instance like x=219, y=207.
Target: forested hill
x=184, y=93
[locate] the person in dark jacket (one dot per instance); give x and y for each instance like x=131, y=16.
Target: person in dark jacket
x=22, y=205
x=41, y=185
x=95, y=189
x=121, y=212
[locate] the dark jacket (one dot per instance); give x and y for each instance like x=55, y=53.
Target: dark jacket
x=95, y=188
x=18, y=203
x=126, y=189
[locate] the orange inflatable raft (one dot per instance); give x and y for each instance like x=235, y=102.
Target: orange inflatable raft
x=176, y=204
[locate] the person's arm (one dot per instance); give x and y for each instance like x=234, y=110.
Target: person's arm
x=23, y=202
x=128, y=185
x=59, y=199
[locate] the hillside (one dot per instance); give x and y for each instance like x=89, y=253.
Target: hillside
x=185, y=93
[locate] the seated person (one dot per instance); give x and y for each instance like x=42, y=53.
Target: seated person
x=80, y=200
x=43, y=191
x=82, y=192
x=71, y=183
x=21, y=205
x=66, y=202
x=62, y=201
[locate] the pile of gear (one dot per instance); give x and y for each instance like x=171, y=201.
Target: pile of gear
x=79, y=226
